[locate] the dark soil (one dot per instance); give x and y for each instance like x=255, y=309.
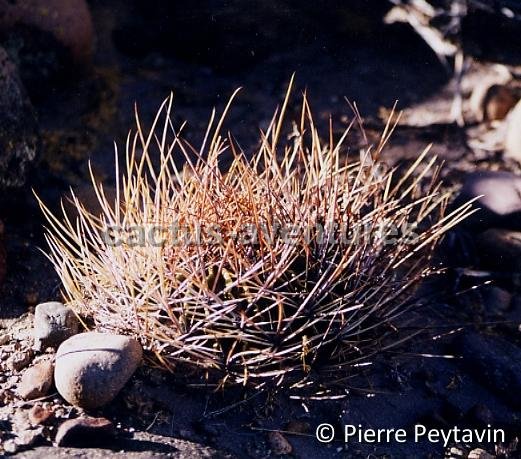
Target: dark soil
x=434, y=380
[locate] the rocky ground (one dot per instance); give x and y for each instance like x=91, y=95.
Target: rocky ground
x=66, y=107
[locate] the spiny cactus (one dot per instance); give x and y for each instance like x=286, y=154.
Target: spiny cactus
x=292, y=263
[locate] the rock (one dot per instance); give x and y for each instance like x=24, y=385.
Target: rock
x=492, y=100
x=482, y=91
x=31, y=298
x=500, y=249
x=513, y=134
x=18, y=127
x=480, y=415
x=495, y=363
x=461, y=398
x=500, y=100
x=69, y=22
x=51, y=42
x=36, y=381
x=10, y=447
x=495, y=299
x=6, y=397
x=298, y=427
x=4, y=338
x=279, y=444
x=53, y=324
x=85, y=432
x=456, y=452
x=21, y=359
x=500, y=204
x=479, y=453
x=39, y=415
x=29, y=437
x=91, y=368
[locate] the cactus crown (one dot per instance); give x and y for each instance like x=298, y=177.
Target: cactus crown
x=294, y=262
